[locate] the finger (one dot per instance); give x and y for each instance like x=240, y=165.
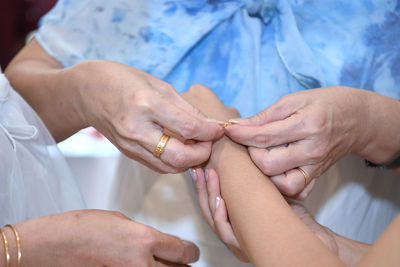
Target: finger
x=292, y=182
x=189, y=123
x=280, y=110
x=223, y=226
x=162, y=263
x=143, y=156
x=183, y=156
x=173, y=249
x=306, y=191
x=281, y=159
x=268, y=135
x=212, y=189
x=177, y=154
x=202, y=196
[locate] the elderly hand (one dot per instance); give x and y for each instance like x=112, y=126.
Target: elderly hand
x=98, y=238
x=215, y=213
x=132, y=109
x=312, y=130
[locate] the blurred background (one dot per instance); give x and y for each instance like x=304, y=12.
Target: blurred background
x=92, y=158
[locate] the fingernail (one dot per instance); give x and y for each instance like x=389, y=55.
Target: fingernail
x=233, y=121
x=193, y=173
x=217, y=202
x=207, y=175
x=191, y=251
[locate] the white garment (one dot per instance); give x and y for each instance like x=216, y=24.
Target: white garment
x=34, y=177
x=351, y=199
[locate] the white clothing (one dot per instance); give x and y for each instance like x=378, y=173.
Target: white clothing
x=34, y=177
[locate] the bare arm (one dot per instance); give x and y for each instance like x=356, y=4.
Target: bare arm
x=274, y=237
x=266, y=227
x=48, y=88
x=128, y=106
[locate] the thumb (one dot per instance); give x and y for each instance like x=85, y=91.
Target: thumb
x=275, y=112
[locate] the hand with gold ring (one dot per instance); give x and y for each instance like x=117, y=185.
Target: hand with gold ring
x=161, y=145
x=300, y=136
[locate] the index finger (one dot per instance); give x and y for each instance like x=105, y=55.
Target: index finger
x=172, y=249
x=272, y=134
x=189, y=122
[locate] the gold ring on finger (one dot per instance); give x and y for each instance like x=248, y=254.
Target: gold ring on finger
x=161, y=145
x=305, y=176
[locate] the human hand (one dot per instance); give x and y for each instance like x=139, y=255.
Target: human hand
x=214, y=209
x=215, y=214
x=132, y=109
x=99, y=238
x=319, y=126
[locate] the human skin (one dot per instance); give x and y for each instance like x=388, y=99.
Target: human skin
x=130, y=107
x=95, y=238
x=321, y=126
x=267, y=229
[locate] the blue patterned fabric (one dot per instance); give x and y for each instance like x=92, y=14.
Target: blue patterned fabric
x=250, y=53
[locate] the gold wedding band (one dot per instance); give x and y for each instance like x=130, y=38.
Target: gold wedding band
x=305, y=176
x=161, y=145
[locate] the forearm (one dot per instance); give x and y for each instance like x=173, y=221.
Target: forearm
x=49, y=88
x=267, y=228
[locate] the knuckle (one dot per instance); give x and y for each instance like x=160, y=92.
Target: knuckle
x=167, y=87
x=148, y=237
x=289, y=187
x=130, y=131
x=144, y=102
x=179, y=160
x=314, y=126
x=261, y=140
x=189, y=129
x=267, y=164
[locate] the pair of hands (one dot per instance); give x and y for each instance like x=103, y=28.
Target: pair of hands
x=132, y=109
x=99, y=238
x=214, y=211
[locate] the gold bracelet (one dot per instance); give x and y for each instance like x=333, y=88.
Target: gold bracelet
x=6, y=247
x=19, y=253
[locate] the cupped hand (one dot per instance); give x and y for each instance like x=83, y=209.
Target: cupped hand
x=310, y=130
x=99, y=238
x=215, y=214
x=133, y=109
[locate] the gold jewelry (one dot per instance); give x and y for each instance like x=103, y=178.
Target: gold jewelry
x=227, y=123
x=6, y=247
x=18, y=244
x=305, y=176
x=161, y=145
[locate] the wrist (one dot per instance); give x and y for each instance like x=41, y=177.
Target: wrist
x=8, y=246
x=78, y=79
x=380, y=139
x=361, y=113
